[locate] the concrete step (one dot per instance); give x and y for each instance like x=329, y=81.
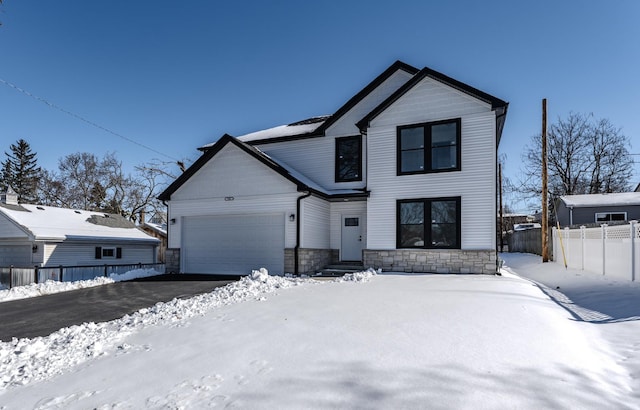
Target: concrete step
x=340, y=270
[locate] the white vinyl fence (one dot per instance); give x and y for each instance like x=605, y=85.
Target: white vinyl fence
x=612, y=251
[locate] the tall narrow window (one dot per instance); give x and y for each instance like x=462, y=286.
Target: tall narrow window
x=429, y=147
x=429, y=223
x=348, y=159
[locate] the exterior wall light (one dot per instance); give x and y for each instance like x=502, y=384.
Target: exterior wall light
x=292, y=217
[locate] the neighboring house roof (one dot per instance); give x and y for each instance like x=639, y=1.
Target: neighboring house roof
x=595, y=200
x=497, y=104
x=302, y=182
x=160, y=229
x=59, y=224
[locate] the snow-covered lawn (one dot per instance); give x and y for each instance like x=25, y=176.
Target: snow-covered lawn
x=381, y=341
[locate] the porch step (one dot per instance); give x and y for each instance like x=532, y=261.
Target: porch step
x=341, y=269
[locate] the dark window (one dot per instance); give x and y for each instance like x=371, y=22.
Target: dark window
x=610, y=216
x=430, y=147
x=351, y=221
x=428, y=223
x=108, y=252
x=349, y=159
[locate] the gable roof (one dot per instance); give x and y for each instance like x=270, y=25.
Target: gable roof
x=497, y=104
x=302, y=182
x=398, y=65
x=595, y=200
x=297, y=130
x=59, y=224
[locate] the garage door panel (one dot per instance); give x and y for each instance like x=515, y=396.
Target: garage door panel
x=233, y=244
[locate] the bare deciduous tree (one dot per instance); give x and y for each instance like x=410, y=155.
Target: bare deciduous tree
x=84, y=181
x=585, y=156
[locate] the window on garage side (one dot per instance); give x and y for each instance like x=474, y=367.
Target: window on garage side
x=108, y=252
x=610, y=216
x=428, y=223
x=348, y=161
x=429, y=147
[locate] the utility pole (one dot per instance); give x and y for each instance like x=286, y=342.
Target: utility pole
x=500, y=199
x=545, y=211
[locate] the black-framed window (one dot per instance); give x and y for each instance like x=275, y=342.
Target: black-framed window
x=428, y=223
x=349, y=159
x=429, y=147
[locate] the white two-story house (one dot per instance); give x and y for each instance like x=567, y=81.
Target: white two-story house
x=401, y=177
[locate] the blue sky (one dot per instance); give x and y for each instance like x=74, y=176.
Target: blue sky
x=176, y=75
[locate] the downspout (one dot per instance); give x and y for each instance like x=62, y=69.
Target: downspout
x=298, y=222
x=570, y=216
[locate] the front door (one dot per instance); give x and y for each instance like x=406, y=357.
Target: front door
x=351, y=247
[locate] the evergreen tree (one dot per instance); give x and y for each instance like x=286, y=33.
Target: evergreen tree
x=20, y=170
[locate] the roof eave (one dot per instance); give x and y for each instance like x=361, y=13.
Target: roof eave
x=496, y=104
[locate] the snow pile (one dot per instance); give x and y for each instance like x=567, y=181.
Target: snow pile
x=25, y=360
x=363, y=276
x=50, y=286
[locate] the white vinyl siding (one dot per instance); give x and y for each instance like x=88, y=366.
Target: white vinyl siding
x=233, y=173
x=78, y=254
x=474, y=184
x=346, y=124
x=315, y=223
x=340, y=209
x=233, y=183
x=314, y=158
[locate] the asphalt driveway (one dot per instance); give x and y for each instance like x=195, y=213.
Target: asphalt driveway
x=43, y=315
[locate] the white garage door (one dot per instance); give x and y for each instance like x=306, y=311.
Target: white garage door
x=17, y=255
x=234, y=244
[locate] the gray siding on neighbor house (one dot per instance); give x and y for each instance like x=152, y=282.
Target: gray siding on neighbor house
x=587, y=215
x=9, y=230
x=78, y=254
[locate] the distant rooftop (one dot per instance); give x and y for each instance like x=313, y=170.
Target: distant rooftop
x=589, y=200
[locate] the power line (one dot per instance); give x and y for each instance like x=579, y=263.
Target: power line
x=79, y=117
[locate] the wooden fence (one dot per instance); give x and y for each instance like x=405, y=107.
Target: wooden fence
x=20, y=276
x=528, y=241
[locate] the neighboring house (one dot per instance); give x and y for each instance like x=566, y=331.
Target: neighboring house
x=34, y=235
x=401, y=177
x=598, y=208
x=158, y=231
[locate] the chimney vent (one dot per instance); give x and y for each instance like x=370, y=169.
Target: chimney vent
x=9, y=197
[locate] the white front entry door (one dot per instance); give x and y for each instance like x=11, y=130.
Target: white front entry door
x=351, y=238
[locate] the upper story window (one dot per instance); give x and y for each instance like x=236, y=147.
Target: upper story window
x=429, y=147
x=349, y=159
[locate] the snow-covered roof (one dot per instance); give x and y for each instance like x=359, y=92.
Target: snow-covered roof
x=159, y=228
x=307, y=126
x=51, y=223
x=591, y=200
x=307, y=181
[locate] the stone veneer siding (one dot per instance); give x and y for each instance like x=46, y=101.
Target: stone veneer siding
x=432, y=260
x=172, y=260
x=309, y=260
